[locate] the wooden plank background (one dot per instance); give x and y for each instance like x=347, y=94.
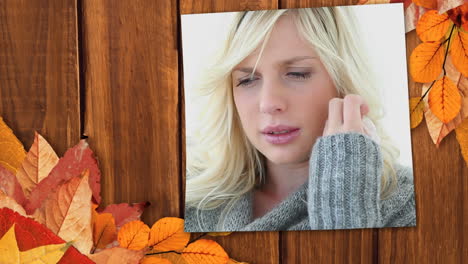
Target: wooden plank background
x=111, y=71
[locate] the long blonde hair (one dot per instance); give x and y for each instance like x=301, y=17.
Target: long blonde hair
x=222, y=164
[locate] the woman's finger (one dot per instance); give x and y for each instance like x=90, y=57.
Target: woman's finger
x=335, y=114
x=352, y=117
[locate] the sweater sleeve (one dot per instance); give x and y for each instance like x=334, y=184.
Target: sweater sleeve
x=344, y=182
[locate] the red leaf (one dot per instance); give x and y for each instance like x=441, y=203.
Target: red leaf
x=124, y=213
x=10, y=186
x=30, y=234
x=74, y=162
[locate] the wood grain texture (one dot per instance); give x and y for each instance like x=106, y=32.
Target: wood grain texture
x=339, y=246
x=441, y=200
x=131, y=74
x=251, y=247
x=39, y=71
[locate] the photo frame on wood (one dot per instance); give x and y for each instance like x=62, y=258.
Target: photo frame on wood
x=290, y=120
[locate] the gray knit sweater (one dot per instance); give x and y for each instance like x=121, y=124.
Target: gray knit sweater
x=342, y=192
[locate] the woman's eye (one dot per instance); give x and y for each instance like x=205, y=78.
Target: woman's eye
x=246, y=81
x=299, y=75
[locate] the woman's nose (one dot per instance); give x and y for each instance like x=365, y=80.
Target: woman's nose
x=272, y=98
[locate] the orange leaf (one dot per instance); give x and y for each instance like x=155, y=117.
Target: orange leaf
x=459, y=15
x=13, y=152
x=174, y=258
x=205, y=251
x=134, y=235
x=431, y=4
x=104, y=230
x=168, y=234
x=432, y=26
x=459, y=51
x=39, y=161
x=117, y=255
x=67, y=212
x=437, y=129
x=416, y=111
x=155, y=260
x=445, y=99
x=462, y=137
x=426, y=61
x=8, y=202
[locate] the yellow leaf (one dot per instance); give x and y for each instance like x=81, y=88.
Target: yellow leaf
x=431, y=4
x=39, y=161
x=462, y=137
x=104, y=230
x=426, y=61
x=416, y=111
x=205, y=251
x=432, y=26
x=48, y=254
x=155, y=260
x=437, y=129
x=67, y=212
x=174, y=258
x=459, y=51
x=13, y=152
x=9, y=251
x=8, y=202
x=168, y=234
x=445, y=99
x=219, y=233
x=134, y=235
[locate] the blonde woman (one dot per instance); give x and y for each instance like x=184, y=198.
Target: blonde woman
x=290, y=138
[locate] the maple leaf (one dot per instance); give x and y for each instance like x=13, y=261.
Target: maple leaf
x=67, y=212
x=124, y=213
x=437, y=129
x=74, y=162
x=134, y=235
x=168, y=234
x=38, y=163
x=205, y=251
x=13, y=152
x=117, y=255
x=10, y=186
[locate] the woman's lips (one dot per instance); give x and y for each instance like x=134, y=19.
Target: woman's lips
x=280, y=134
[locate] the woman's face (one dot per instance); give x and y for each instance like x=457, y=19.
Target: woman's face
x=283, y=108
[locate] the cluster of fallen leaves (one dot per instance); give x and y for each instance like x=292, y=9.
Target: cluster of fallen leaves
x=440, y=62
x=49, y=213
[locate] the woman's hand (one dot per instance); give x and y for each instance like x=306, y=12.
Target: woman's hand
x=348, y=115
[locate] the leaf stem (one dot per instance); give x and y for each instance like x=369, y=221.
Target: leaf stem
x=446, y=51
x=196, y=238
x=163, y=252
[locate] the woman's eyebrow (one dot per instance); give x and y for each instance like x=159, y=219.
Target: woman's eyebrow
x=298, y=58
x=246, y=70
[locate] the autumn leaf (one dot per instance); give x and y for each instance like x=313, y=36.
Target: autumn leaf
x=117, y=255
x=205, y=251
x=67, y=212
x=431, y=4
x=416, y=111
x=437, y=129
x=9, y=251
x=174, y=258
x=426, y=61
x=8, y=202
x=38, y=163
x=104, y=230
x=459, y=51
x=10, y=186
x=462, y=136
x=168, y=234
x=124, y=213
x=134, y=235
x=432, y=26
x=75, y=161
x=445, y=99
x=155, y=260
x=49, y=254
x=13, y=152
x=215, y=234
x=459, y=16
